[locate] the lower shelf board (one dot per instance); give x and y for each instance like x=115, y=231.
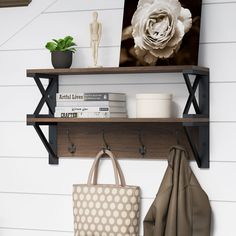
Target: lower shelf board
x=47, y=120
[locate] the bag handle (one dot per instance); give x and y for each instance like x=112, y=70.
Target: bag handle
x=118, y=169
x=93, y=174
x=94, y=170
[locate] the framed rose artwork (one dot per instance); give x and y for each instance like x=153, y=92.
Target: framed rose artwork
x=160, y=32
x=14, y=3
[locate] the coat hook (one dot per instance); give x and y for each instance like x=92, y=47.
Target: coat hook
x=142, y=148
x=106, y=146
x=71, y=147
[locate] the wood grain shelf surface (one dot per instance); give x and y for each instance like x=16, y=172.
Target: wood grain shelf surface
x=117, y=120
x=120, y=70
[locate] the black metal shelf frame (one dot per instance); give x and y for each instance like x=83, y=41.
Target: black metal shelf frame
x=48, y=97
x=201, y=106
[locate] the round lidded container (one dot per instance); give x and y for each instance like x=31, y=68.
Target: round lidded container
x=153, y=105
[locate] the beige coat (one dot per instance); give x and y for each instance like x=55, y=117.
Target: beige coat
x=181, y=207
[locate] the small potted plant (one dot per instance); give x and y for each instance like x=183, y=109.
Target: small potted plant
x=61, y=51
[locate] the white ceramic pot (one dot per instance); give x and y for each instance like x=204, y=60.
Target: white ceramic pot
x=155, y=105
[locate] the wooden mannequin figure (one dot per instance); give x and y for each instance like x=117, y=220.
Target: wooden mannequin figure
x=95, y=32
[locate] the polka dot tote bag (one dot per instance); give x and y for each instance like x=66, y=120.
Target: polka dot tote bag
x=106, y=209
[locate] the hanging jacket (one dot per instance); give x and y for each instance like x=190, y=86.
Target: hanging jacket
x=181, y=207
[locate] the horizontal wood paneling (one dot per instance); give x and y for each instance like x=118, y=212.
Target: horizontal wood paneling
x=217, y=1
x=218, y=27
x=41, y=178
x=220, y=58
x=80, y=5
x=26, y=232
x=19, y=140
x=222, y=99
x=75, y=24
x=112, y=27
x=222, y=141
x=21, y=60
x=46, y=212
x=84, y=5
x=223, y=222
x=24, y=16
x=20, y=101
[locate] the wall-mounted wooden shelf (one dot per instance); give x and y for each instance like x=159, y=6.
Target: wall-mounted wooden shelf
x=124, y=133
x=119, y=70
x=42, y=120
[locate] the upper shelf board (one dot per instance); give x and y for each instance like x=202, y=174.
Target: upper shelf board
x=190, y=69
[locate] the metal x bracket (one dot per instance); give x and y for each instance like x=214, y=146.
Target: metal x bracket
x=191, y=89
x=48, y=95
x=201, y=106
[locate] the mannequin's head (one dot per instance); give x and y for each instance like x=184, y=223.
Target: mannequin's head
x=95, y=16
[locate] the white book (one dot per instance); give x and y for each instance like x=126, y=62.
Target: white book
x=90, y=115
x=90, y=109
x=90, y=96
x=90, y=104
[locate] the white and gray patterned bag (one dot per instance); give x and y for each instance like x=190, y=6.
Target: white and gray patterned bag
x=106, y=209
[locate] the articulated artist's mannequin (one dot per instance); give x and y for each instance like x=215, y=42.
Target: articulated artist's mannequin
x=95, y=31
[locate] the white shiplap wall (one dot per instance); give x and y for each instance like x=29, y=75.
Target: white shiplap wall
x=35, y=198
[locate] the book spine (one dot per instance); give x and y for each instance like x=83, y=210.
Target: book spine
x=90, y=104
x=88, y=114
x=66, y=114
x=82, y=114
x=90, y=97
x=65, y=97
x=90, y=109
x=104, y=97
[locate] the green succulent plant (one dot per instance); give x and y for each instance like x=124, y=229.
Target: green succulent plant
x=65, y=44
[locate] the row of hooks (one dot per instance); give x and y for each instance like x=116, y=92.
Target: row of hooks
x=142, y=149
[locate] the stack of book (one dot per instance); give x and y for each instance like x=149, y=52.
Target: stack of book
x=90, y=105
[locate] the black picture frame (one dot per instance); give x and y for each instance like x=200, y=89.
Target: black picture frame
x=14, y=3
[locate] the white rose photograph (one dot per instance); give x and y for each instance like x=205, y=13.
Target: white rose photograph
x=160, y=32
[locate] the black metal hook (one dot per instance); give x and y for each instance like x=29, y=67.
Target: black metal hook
x=142, y=148
x=106, y=146
x=71, y=147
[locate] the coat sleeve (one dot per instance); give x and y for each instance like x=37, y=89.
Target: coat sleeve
x=155, y=219
x=149, y=221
